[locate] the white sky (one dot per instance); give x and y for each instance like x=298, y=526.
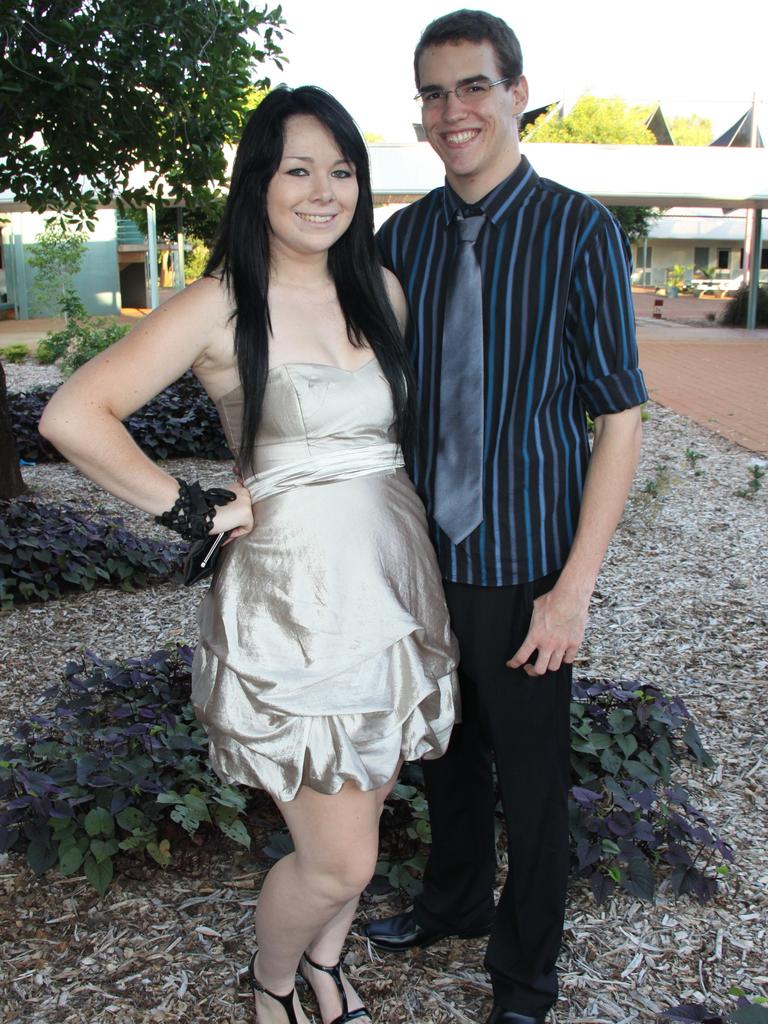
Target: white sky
x=694, y=56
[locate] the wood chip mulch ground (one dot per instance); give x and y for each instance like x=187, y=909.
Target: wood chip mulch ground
x=681, y=602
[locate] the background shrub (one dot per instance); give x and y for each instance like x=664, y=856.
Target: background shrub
x=81, y=338
x=632, y=824
x=735, y=313
x=14, y=353
x=181, y=422
x=118, y=768
x=87, y=338
x=47, y=550
x=24, y=411
x=51, y=347
x=122, y=752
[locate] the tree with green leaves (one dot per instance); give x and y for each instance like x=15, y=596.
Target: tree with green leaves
x=56, y=257
x=89, y=90
x=691, y=131
x=593, y=119
x=597, y=120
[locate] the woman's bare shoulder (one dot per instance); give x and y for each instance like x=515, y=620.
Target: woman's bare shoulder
x=207, y=293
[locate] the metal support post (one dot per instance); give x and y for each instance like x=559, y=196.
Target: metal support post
x=154, y=293
x=180, y=247
x=754, y=270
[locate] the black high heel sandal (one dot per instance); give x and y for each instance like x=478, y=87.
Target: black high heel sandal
x=285, y=1001
x=335, y=973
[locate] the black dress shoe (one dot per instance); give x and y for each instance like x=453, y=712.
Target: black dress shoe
x=501, y=1016
x=401, y=932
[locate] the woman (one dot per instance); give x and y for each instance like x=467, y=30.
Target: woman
x=325, y=656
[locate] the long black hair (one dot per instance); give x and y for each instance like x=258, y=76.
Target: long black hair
x=241, y=255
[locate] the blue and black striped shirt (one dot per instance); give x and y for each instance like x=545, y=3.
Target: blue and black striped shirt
x=559, y=340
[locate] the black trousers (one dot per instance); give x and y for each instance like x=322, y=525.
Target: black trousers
x=522, y=724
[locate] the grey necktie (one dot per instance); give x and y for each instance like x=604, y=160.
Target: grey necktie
x=458, y=506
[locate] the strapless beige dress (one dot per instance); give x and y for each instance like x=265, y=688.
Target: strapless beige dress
x=325, y=652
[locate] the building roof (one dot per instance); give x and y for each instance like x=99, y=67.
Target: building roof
x=699, y=226
x=726, y=177
x=662, y=176
x=740, y=133
x=657, y=124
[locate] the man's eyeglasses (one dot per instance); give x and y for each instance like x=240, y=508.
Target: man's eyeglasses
x=468, y=92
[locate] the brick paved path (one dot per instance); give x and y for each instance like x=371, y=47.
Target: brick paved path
x=716, y=376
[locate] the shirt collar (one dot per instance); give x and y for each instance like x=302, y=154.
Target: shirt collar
x=502, y=201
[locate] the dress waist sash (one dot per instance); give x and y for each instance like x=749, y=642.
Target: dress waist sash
x=326, y=467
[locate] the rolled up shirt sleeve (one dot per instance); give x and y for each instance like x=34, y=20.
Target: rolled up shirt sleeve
x=601, y=323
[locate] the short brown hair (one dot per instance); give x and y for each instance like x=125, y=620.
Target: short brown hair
x=473, y=27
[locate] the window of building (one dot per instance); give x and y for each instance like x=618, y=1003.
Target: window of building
x=763, y=259
x=701, y=259
x=723, y=259
x=639, y=261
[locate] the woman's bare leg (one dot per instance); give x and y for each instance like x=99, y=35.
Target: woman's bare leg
x=311, y=894
x=326, y=947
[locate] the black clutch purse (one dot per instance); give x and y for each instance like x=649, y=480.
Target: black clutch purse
x=202, y=558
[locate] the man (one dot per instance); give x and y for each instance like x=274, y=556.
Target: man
x=521, y=514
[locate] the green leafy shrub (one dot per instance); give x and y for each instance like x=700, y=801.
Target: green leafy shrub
x=755, y=482
x=24, y=411
x=122, y=752
x=632, y=826
x=118, y=769
x=408, y=833
x=181, y=422
x=55, y=344
x=82, y=338
x=47, y=551
x=93, y=336
x=51, y=347
x=660, y=483
x=735, y=313
x=14, y=353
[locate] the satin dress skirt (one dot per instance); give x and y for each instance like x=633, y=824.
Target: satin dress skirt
x=325, y=652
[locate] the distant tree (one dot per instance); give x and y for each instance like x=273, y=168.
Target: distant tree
x=56, y=257
x=593, y=119
x=691, y=131
x=202, y=213
x=597, y=120
x=93, y=89
x=637, y=221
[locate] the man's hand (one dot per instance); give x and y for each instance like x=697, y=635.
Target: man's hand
x=559, y=617
x=555, y=633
